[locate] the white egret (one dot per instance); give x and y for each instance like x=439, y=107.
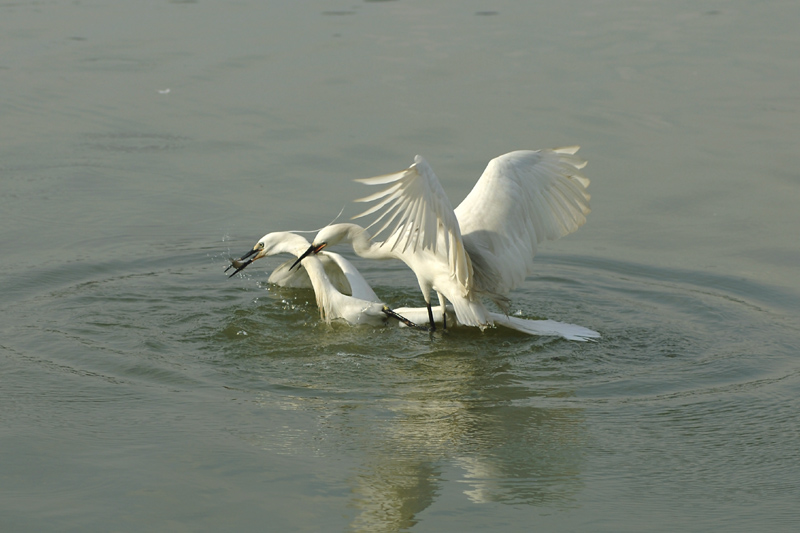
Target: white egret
x=363, y=306
x=483, y=247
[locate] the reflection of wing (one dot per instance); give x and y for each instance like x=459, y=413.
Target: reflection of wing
x=359, y=288
x=417, y=213
x=521, y=199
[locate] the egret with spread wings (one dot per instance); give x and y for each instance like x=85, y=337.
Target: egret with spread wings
x=485, y=246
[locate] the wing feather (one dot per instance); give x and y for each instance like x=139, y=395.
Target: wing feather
x=520, y=200
x=416, y=214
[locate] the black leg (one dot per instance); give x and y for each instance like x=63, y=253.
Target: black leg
x=388, y=312
x=430, y=317
x=444, y=319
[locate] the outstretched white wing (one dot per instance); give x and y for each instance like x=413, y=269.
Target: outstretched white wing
x=417, y=214
x=520, y=200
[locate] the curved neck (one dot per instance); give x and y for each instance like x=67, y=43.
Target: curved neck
x=325, y=293
x=316, y=273
x=362, y=243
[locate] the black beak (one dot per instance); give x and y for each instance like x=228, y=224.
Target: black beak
x=311, y=250
x=305, y=254
x=240, y=263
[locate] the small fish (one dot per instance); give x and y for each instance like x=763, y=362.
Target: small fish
x=238, y=264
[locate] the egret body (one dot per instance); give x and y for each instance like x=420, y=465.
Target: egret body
x=485, y=246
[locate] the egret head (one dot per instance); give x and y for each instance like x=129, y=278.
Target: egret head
x=333, y=234
x=327, y=236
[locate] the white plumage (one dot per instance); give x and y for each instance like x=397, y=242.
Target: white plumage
x=362, y=305
x=484, y=247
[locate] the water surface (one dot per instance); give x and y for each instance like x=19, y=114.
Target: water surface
x=142, y=144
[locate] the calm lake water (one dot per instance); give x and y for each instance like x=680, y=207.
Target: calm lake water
x=143, y=143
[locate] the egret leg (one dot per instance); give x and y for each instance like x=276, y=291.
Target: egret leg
x=430, y=317
x=443, y=304
x=388, y=312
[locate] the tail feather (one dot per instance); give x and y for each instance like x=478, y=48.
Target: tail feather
x=471, y=313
